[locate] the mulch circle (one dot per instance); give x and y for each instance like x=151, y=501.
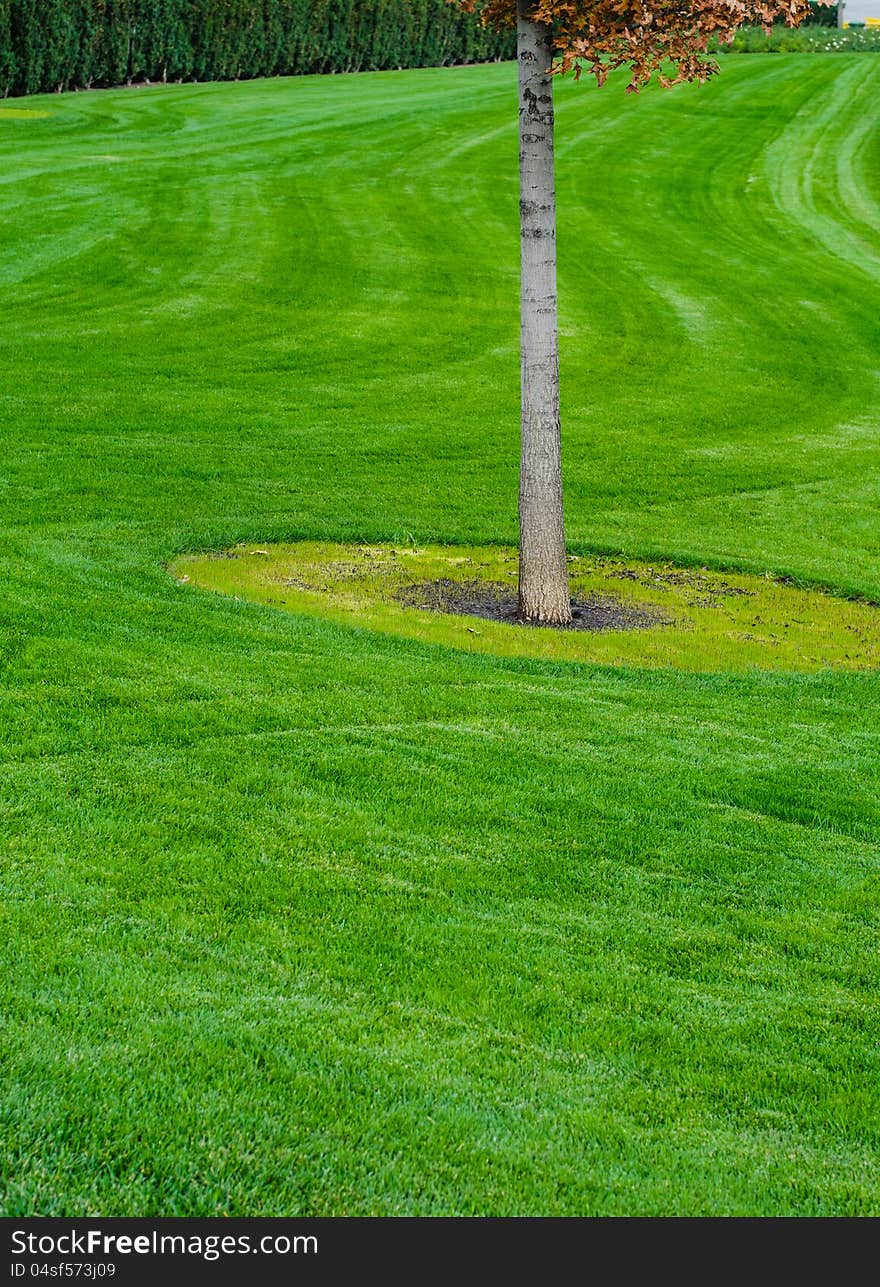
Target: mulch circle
x=492, y=601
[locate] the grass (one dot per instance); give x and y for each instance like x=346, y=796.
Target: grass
x=701, y=620
x=301, y=918
x=21, y=114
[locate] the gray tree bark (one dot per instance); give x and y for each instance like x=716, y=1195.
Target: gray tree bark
x=841, y=14
x=543, y=570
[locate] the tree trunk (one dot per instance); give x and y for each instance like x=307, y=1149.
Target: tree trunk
x=841, y=14
x=543, y=571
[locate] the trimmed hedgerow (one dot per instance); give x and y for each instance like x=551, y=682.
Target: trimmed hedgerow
x=73, y=44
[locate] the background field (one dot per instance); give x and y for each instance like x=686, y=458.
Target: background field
x=301, y=919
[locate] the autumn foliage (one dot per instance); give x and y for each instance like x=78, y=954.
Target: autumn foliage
x=646, y=36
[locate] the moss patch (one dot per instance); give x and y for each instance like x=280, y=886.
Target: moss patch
x=692, y=619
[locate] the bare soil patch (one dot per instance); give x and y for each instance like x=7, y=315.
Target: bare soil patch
x=493, y=601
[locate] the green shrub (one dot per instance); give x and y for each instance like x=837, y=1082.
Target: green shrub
x=804, y=40
x=71, y=44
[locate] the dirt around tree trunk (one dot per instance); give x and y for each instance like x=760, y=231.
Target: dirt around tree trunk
x=493, y=601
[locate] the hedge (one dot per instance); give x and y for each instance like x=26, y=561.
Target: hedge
x=77, y=44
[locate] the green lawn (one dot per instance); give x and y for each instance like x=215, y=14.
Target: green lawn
x=304, y=919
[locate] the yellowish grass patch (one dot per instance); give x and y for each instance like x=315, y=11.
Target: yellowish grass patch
x=706, y=620
x=21, y=114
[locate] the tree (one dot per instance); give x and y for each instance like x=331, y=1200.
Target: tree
x=666, y=38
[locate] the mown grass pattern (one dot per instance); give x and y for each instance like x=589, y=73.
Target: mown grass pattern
x=299, y=918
